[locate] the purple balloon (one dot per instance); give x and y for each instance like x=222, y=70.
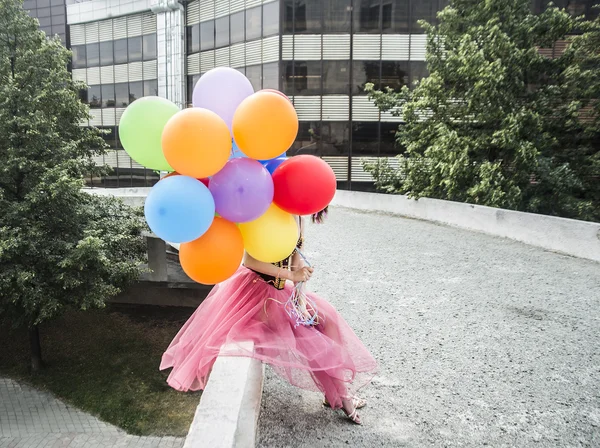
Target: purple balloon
x=243, y=190
x=221, y=90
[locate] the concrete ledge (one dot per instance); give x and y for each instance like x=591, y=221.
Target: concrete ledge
x=567, y=236
x=227, y=415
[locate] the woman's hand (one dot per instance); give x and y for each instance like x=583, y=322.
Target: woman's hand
x=302, y=275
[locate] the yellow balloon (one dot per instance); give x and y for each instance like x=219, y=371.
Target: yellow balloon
x=272, y=237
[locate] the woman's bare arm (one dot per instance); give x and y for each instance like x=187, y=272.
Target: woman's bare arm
x=265, y=268
x=297, y=261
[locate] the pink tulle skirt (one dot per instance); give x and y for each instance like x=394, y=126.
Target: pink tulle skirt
x=328, y=357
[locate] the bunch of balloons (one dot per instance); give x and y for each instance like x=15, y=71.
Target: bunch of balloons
x=231, y=187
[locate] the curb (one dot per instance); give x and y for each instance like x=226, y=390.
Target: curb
x=227, y=416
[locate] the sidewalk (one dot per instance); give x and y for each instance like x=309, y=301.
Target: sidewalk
x=33, y=419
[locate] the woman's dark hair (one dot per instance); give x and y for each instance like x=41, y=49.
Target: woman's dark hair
x=319, y=217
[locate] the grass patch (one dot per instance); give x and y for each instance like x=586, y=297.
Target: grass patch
x=106, y=362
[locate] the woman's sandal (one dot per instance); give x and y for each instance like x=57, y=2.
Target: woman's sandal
x=353, y=416
x=358, y=403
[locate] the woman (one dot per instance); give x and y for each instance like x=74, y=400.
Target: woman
x=304, y=339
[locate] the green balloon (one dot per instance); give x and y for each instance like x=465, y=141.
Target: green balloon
x=140, y=130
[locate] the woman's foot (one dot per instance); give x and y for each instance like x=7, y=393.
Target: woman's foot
x=358, y=402
x=351, y=411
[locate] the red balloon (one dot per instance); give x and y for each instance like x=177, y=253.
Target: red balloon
x=303, y=185
x=204, y=180
x=277, y=92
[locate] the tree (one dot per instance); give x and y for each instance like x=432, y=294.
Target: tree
x=568, y=172
x=60, y=247
x=481, y=125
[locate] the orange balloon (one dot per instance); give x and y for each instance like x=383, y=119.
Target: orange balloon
x=196, y=142
x=265, y=125
x=215, y=256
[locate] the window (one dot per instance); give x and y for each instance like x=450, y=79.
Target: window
x=106, y=53
x=151, y=87
x=110, y=137
x=45, y=22
x=288, y=16
x=307, y=16
x=365, y=138
x=394, y=74
x=270, y=78
x=364, y=72
x=191, y=83
x=270, y=19
x=386, y=17
x=253, y=23
x=58, y=19
x=388, y=139
x=55, y=10
x=336, y=77
x=307, y=78
x=149, y=44
x=193, y=38
x=334, y=137
x=222, y=32
x=367, y=16
x=134, y=48
x=83, y=96
x=93, y=55
x=307, y=140
x=43, y=3
x=43, y=12
x=57, y=3
x=136, y=91
x=108, y=95
x=336, y=16
x=394, y=16
x=121, y=94
x=288, y=78
x=254, y=74
x=418, y=71
x=237, y=26
x=422, y=9
x=79, y=58
x=120, y=46
x=94, y=97
x=207, y=35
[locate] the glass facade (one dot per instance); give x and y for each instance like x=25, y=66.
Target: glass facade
x=52, y=15
x=319, y=53
x=117, y=58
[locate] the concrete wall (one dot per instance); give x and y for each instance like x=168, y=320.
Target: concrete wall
x=568, y=236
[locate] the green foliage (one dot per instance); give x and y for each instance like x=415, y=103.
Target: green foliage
x=496, y=122
x=59, y=246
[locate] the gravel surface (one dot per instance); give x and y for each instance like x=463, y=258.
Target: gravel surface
x=481, y=340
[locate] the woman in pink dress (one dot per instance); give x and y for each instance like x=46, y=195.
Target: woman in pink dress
x=305, y=340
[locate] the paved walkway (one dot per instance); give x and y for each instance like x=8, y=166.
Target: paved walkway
x=481, y=340
x=33, y=419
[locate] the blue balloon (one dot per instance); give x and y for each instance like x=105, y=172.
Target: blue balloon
x=283, y=154
x=179, y=209
x=236, y=152
x=271, y=165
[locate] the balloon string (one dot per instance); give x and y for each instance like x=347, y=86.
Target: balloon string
x=299, y=307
